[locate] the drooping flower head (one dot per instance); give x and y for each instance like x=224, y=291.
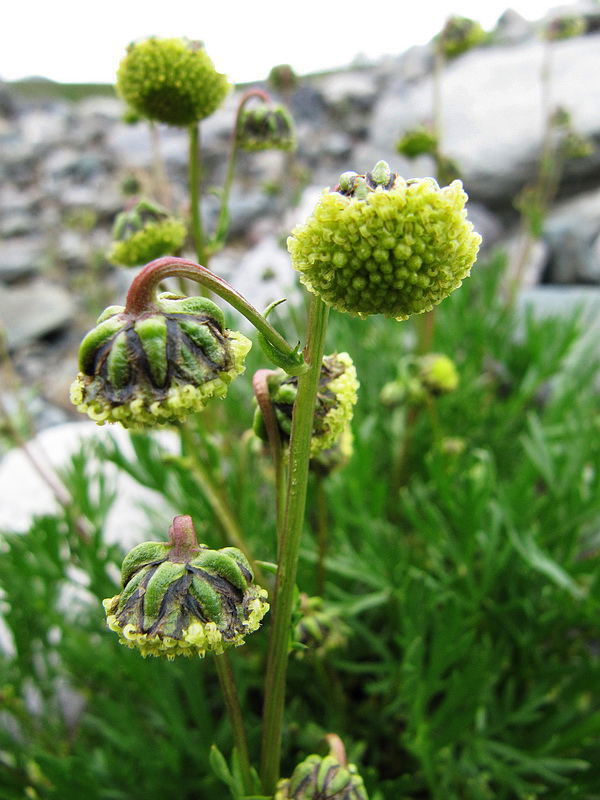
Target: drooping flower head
x=183, y=598
x=145, y=232
x=336, y=397
x=157, y=365
x=171, y=80
x=380, y=244
x=317, y=778
x=266, y=127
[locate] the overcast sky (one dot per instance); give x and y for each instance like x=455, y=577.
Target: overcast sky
x=75, y=41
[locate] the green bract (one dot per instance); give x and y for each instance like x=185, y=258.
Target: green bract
x=143, y=233
x=171, y=80
x=185, y=600
x=266, y=127
x=379, y=244
x=318, y=778
x=336, y=397
x=158, y=366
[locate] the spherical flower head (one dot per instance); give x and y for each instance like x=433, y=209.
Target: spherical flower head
x=171, y=81
x=266, y=127
x=317, y=778
x=438, y=373
x=158, y=366
x=143, y=233
x=380, y=244
x=184, y=599
x=336, y=397
x=282, y=78
x=459, y=35
x=417, y=142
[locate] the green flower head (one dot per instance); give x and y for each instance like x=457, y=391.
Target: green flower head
x=459, y=35
x=183, y=599
x=143, y=233
x=171, y=81
x=380, y=244
x=158, y=366
x=336, y=397
x=438, y=373
x=317, y=778
x=417, y=142
x=266, y=127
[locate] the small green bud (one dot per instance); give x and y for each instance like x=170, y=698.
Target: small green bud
x=184, y=599
x=394, y=249
x=320, y=628
x=317, y=778
x=453, y=446
x=336, y=397
x=282, y=78
x=266, y=127
x=459, y=35
x=143, y=233
x=417, y=142
x=438, y=373
x=171, y=81
x=159, y=366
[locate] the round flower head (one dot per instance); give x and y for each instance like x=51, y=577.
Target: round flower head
x=336, y=397
x=417, y=142
x=171, y=81
x=459, y=35
x=143, y=233
x=183, y=599
x=159, y=365
x=266, y=127
x=317, y=778
x=438, y=373
x=379, y=244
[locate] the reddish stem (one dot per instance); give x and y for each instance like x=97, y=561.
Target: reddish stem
x=183, y=538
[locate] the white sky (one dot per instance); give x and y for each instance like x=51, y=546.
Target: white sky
x=84, y=40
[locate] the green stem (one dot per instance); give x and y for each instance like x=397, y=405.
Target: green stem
x=322, y=534
x=141, y=299
x=236, y=719
x=283, y=601
x=194, y=189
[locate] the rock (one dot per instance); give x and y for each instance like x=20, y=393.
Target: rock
x=32, y=311
x=511, y=28
x=571, y=232
x=21, y=256
x=344, y=91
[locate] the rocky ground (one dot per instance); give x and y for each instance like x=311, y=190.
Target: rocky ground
x=62, y=165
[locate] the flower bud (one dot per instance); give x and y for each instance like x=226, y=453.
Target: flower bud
x=182, y=598
x=379, y=244
x=438, y=373
x=336, y=396
x=282, y=78
x=158, y=366
x=266, y=127
x=319, y=628
x=459, y=35
x=143, y=233
x=317, y=778
x=417, y=142
x=171, y=81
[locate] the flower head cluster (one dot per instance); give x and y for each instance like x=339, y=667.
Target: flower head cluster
x=317, y=778
x=143, y=233
x=266, y=127
x=159, y=365
x=379, y=244
x=171, y=81
x=182, y=598
x=336, y=397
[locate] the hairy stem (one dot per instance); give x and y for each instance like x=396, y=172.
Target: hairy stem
x=277, y=657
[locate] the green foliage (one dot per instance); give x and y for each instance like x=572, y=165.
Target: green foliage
x=469, y=598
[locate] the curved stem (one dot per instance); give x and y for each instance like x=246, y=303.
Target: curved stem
x=236, y=718
x=283, y=601
x=194, y=190
x=141, y=297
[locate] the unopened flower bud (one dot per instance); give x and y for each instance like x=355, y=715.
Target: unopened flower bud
x=282, y=78
x=336, y=397
x=417, y=142
x=320, y=628
x=438, y=373
x=385, y=245
x=266, y=127
x=317, y=778
x=158, y=366
x=143, y=233
x=171, y=81
x=459, y=35
x=182, y=598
